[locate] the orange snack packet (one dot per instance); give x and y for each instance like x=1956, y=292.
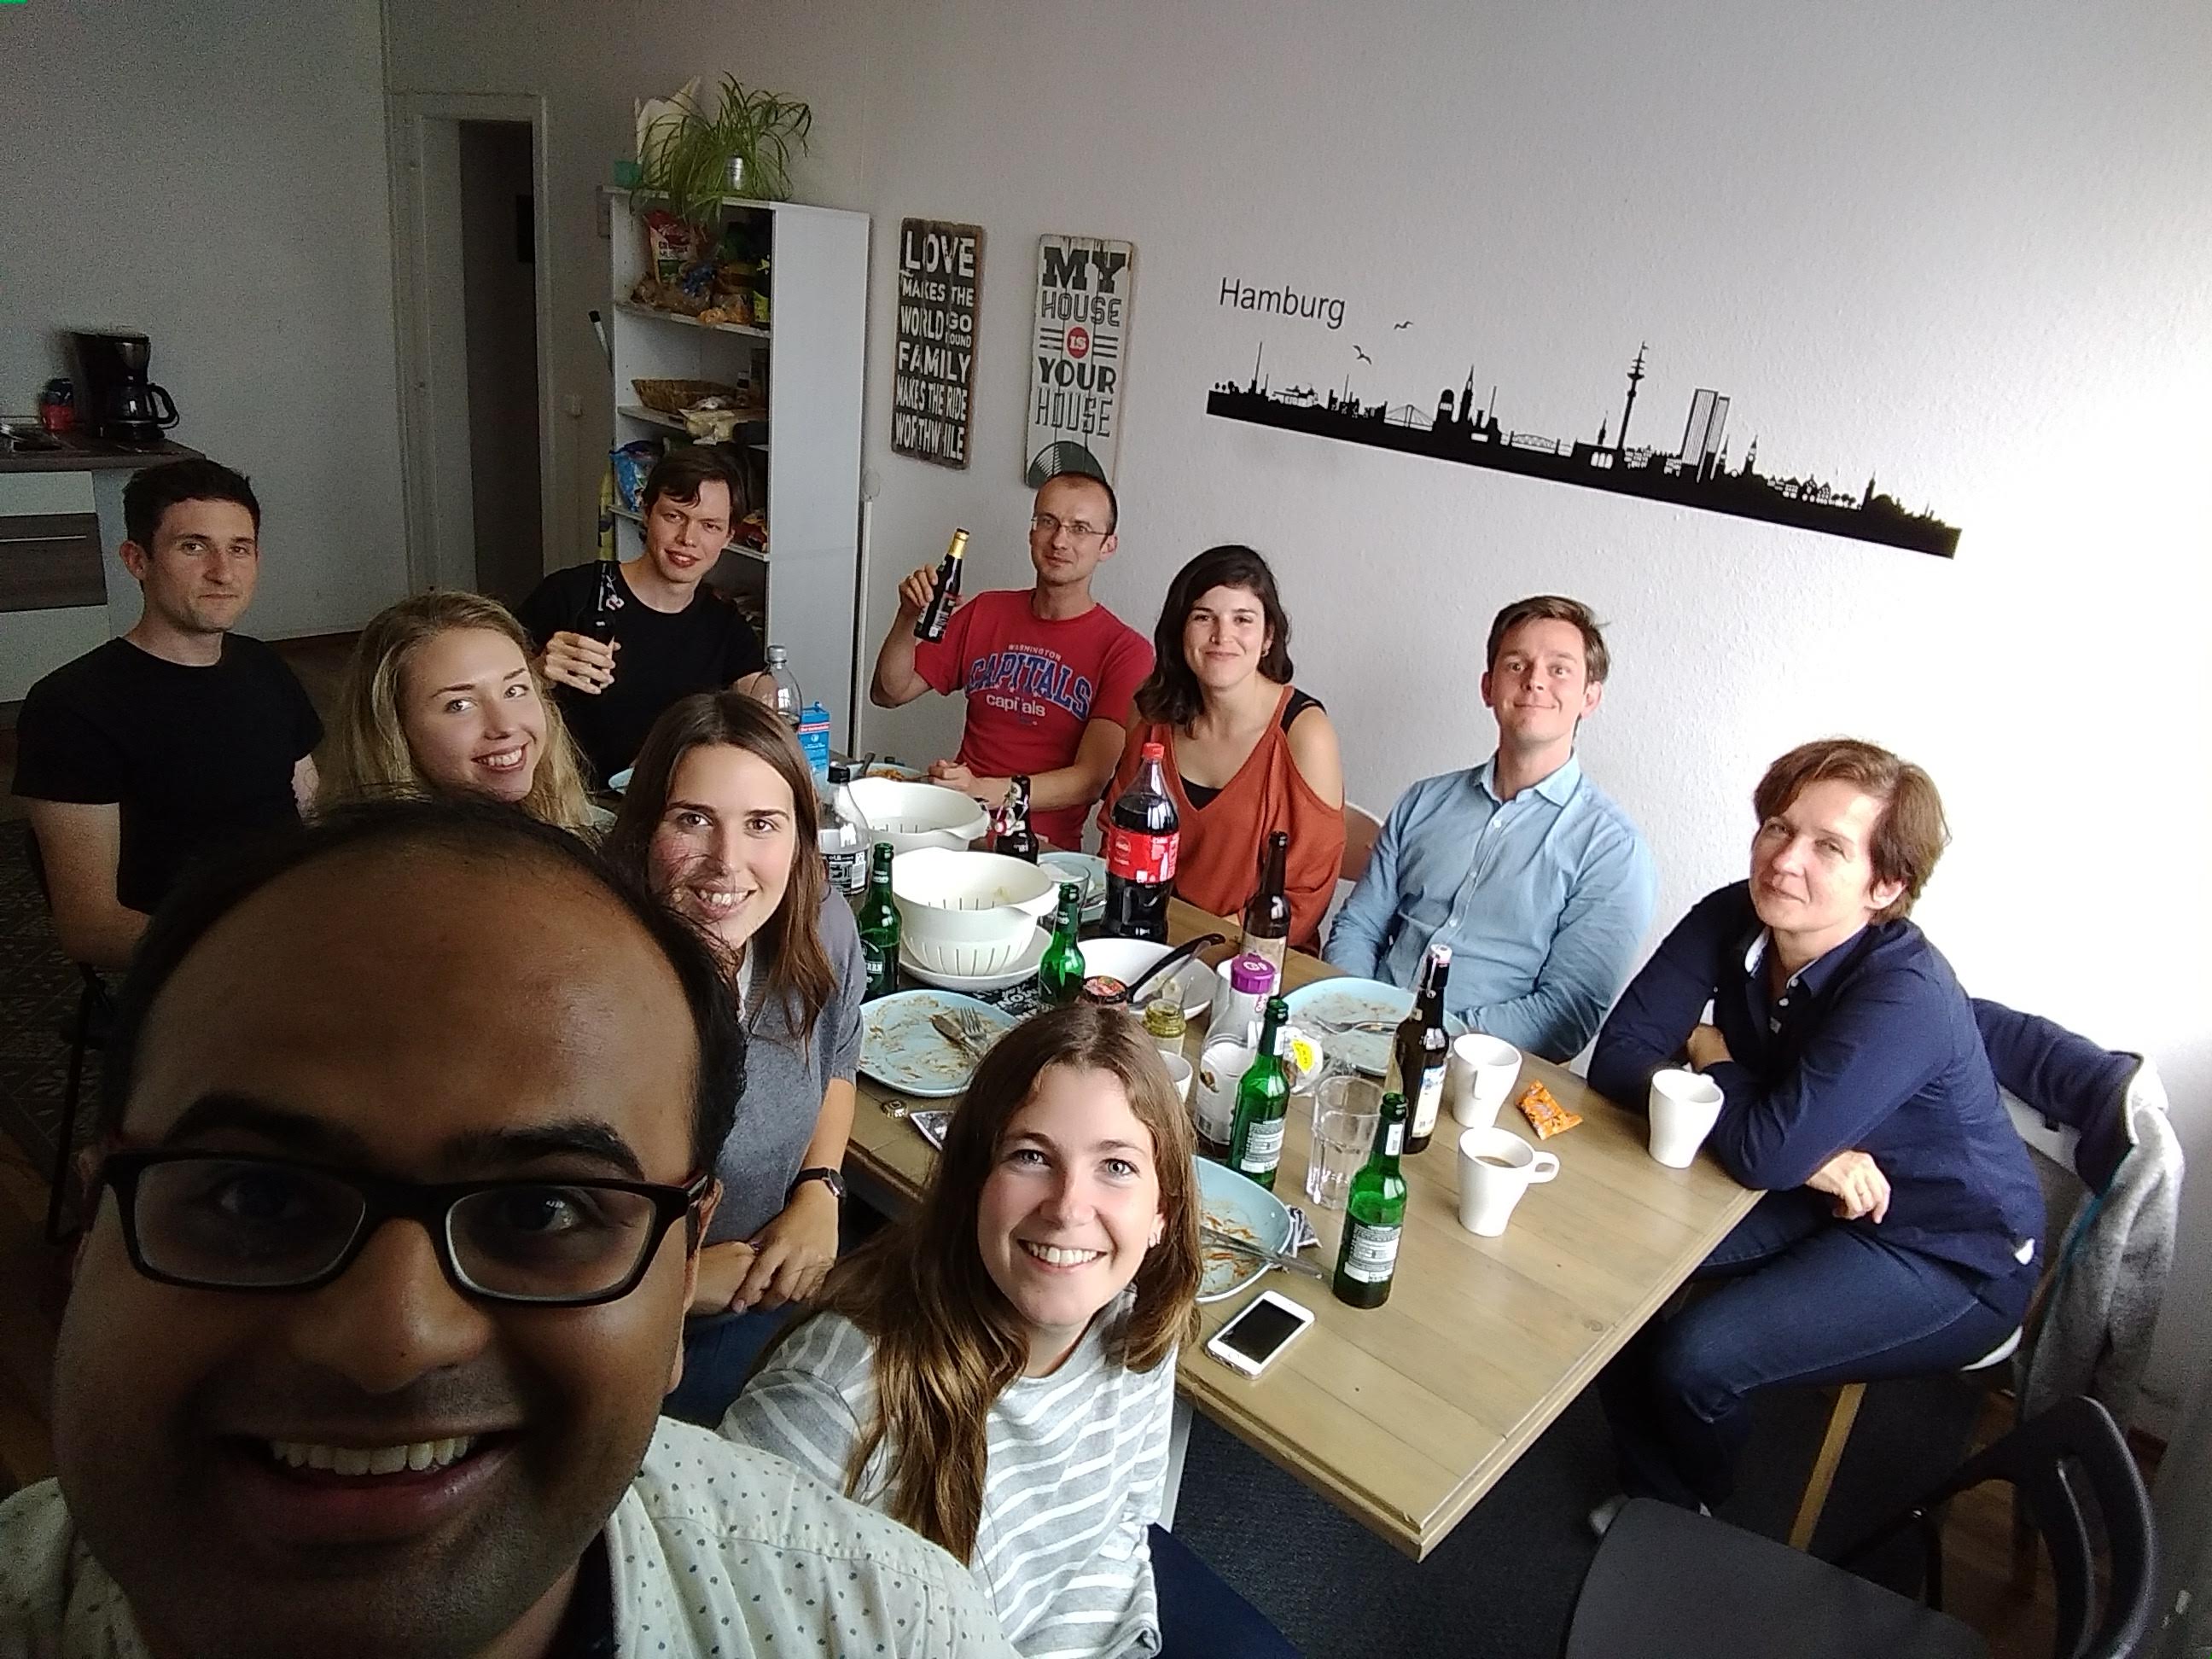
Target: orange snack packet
x=1545, y=1113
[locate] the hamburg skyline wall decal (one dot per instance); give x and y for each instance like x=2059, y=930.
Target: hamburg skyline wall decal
x=1696, y=475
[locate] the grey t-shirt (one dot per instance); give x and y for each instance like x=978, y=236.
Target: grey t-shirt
x=785, y=1077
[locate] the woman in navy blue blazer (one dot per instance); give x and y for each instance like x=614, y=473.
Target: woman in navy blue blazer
x=1897, y=1236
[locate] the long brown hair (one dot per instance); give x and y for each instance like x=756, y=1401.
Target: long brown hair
x=799, y=978
x=947, y=1345
x=1171, y=695
x=369, y=754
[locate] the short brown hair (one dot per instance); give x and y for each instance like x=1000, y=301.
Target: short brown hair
x=681, y=473
x=1908, y=837
x=1550, y=607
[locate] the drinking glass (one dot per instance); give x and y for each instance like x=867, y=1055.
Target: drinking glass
x=1347, y=1107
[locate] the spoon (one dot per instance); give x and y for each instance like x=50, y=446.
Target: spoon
x=1173, y=958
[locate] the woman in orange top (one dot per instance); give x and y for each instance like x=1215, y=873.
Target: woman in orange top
x=1247, y=753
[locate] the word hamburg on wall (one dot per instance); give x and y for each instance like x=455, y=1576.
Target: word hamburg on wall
x=1078, y=358
x=940, y=268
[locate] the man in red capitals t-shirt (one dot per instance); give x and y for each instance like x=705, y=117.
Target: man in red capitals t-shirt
x=1049, y=672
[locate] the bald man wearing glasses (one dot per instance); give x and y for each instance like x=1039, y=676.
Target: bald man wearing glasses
x=1049, y=672
x=409, y=1146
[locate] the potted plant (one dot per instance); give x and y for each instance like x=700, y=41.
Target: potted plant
x=691, y=159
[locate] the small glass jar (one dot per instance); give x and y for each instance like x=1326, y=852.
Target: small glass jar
x=1164, y=1023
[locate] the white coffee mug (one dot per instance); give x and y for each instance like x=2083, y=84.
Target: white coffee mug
x=1496, y=1166
x=1477, y=1076
x=1221, y=1067
x=1685, y=1106
x=1179, y=1072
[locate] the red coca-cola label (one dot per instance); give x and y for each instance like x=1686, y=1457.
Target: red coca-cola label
x=1148, y=860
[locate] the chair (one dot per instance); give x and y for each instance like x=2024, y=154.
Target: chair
x=2089, y=1153
x=1361, y=827
x=1668, y=1583
x=95, y=1013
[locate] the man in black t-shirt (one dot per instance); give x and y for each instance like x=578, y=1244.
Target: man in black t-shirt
x=177, y=737
x=672, y=633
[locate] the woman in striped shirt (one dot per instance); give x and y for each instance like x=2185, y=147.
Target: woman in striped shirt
x=997, y=1370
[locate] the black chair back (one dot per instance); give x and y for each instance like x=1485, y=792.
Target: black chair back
x=2073, y=1450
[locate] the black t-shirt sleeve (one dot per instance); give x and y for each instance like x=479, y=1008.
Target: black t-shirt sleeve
x=741, y=649
x=552, y=607
x=62, y=753
x=306, y=724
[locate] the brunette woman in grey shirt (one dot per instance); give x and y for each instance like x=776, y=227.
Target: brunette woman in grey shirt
x=720, y=820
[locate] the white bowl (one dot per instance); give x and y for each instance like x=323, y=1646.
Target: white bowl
x=968, y=913
x=1125, y=958
x=913, y=816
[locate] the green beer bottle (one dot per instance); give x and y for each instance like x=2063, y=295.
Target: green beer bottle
x=879, y=925
x=1375, y=1215
x=1255, y=1136
x=1059, y=975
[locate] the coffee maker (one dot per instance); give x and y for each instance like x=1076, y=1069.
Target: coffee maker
x=117, y=401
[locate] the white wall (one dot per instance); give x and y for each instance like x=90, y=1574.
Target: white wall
x=213, y=174
x=1966, y=252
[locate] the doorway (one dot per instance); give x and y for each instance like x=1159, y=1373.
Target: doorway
x=500, y=305
x=471, y=272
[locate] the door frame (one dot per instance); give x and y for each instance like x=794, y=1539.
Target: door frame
x=425, y=378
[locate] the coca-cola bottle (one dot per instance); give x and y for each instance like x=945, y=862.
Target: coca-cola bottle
x=1144, y=832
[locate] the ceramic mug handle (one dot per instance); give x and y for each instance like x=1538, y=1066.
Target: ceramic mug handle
x=1545, y=1166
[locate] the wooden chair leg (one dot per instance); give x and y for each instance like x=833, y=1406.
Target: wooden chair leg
x=1824, y=1466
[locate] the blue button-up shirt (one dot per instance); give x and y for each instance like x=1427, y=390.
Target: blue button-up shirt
x=1874, y=1046
x=1542, y=899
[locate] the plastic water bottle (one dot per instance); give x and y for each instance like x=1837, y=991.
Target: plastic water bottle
x=814, y=740
x=846, y=837
x=789, y=703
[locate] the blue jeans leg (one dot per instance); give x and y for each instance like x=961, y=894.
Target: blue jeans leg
x=1200, y=1616
x=1803, y=1298
x=718, y=1351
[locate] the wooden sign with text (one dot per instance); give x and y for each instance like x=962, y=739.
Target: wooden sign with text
x=940, y=272
x=1077, y=355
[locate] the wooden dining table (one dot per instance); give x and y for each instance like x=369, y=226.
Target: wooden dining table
x=1405, y=1415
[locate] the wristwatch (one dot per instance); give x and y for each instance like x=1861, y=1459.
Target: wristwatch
x=822, y=1173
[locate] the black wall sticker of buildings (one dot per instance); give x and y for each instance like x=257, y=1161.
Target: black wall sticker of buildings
x=1698, y=474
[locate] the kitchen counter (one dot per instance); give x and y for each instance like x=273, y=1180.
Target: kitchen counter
x=81, y=453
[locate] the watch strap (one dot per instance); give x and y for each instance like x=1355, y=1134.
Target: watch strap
x=821, y=1172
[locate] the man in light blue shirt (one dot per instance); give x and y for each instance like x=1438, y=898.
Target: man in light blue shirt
x=1538, y=882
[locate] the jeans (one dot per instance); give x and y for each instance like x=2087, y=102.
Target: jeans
x=1801, y=1298
x=1200, y=1616
x=718, y=1350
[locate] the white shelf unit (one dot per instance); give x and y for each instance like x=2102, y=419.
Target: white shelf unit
x=808, y=458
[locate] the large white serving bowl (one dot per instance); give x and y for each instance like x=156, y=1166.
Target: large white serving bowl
x=968, y=913
x=1125, y=958
x=913, y=816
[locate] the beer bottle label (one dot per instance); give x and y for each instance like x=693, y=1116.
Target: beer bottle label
x=1430, y=1097
x=1133, y=855
x=1263, y=1147
x=1394, y=1138
x=1370, y=1252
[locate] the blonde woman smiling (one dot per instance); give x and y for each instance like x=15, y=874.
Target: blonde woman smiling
x=441, y=699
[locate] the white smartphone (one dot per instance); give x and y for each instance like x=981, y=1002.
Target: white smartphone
x=1259, y=1331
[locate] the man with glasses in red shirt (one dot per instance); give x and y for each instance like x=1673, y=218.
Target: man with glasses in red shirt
x=1049, y=672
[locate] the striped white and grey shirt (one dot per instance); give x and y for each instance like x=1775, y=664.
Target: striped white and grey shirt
x=1076, y=1464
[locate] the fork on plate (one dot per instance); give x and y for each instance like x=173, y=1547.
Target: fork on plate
x=965, y=1029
